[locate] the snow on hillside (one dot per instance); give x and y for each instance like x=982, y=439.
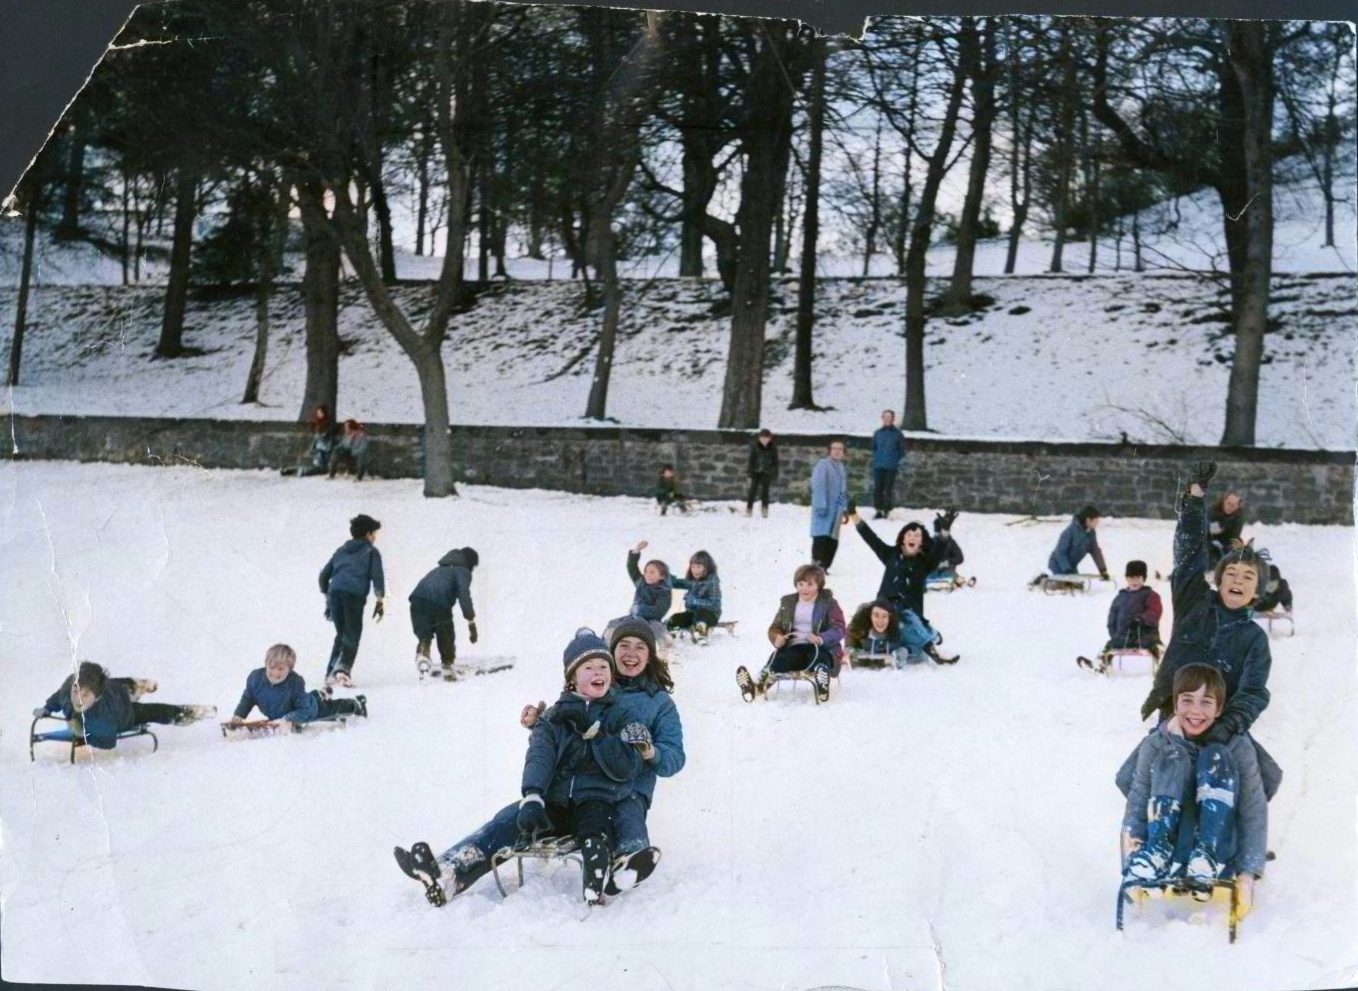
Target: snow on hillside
x=927, y=828
x=1054, y=357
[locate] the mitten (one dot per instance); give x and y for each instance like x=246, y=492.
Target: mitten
x=379, y=609
x=1149, y=706
x=1201, y=472
x=471, y=630
x=1221, y=732
x=327, y=611
x=576, y=718
x=640, y=737
x=532, y=819
x=42, y=711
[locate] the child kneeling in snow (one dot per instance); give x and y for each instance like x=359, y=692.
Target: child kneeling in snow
x=1195, y=809
x=807, y=634
x=99, y=707
x=875, y=631
x=281, y=695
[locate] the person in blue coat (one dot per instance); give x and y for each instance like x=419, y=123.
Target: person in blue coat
x=644, y=690
x=702, y=596
x=1077, y=541
x=888, y=454
x=652, y=598
x=99, y=708
x=280, y=693
x=829, y=502
x=431, y=606
x=344, y=583
x=1196, y=809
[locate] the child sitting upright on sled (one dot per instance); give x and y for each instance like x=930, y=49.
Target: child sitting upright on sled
x=280, y=693
x=702, y=597
x=1133, y=618
x=582, y=761
x=667, y=492
x=99, y=707
x=875, y=631
x=1196, y=809
x=807, y=634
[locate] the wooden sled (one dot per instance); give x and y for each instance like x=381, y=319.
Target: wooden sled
x=561, y=848
x=1223, y=891
x=1067, y=584
x=1283, y=620
x=729, y=625
x=258, y=729
x=1124, y=652
x=948, y=583
x=71, y=738
x=776, y=678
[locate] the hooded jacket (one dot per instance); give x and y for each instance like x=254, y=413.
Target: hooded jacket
x=449, y=583
x=1075, y=542
x=1141, y=606
x=649, y=601
x=644, y=701
x=763, y=459
x=352, y=568
x=700, y=593
x=288, y=700
x=565, y=768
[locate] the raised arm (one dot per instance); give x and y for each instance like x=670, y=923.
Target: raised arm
x=884, y=551
x=633, y=556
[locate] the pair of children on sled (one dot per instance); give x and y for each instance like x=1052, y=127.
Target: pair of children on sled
x=1197, y=786
x=654, y=593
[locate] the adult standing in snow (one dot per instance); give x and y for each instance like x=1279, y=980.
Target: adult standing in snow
x=431, y=608
x=644, y=686
x=888, y=453
x=829, y=502
x=763, y=471
x=344, y=583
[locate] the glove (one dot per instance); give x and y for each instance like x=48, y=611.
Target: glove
x=42, y=711
x=1149, y=706
x=1201, y=472
x=640, y=737
x=1103, y=576
x=379, y=609
x=471, y=630
x=533, y=820
x=327, y=611
x=1221, y=732
x=574, y=717
x=944, y=521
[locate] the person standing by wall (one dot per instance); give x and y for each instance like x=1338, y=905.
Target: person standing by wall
x=763, y=470
x=829, y=502
x=888, y=453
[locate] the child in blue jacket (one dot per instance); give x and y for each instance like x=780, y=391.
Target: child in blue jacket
x=99, y=707
x=1077, y=541
x=582, y=761
x=652, y=598
x=344, y=583
x=702, y=596
x=280, y=693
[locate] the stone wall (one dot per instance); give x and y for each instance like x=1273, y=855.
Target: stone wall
x=1034, y=478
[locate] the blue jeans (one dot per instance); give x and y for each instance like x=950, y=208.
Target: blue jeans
x=916, y=634
x=346, y=612
x=1209, y=784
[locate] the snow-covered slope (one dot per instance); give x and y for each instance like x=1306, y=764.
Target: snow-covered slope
x=1054, y=357
x=929, y=828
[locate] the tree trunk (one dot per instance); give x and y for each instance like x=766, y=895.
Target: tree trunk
x=1065, y=150
x=1092, y=196
x=171, y=343
x=483, y=223
x=69, y=225
x=127, y=220
x=981, y=55
x=422, y=153
x=875, y=214
x=1252, y=63
x=915, y=416
x=270, y=259
x=767, y=143
x=16, y=344
x=690, y=227
x=320, y=296
x=606, y=270
x=385, y=247
x=802, y=396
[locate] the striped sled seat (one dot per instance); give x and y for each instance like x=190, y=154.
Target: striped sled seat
x=67, y=736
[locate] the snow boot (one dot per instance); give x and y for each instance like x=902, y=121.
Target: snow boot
x=422, y=662
x=142, y=686
x=748, y=689
x=700, y=633
x=357, y=706
x=418, y=862
x=1151, y=862
x=631, y=869
x=940, y=658
x=597, y=857
x=764, y=511
x=1216, y=801
x=1203, y=868
x=822, y=682
x=193, y=713
x=449, y=672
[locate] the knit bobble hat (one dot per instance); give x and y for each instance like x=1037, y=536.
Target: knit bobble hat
x=585, y=645
x=634, y=626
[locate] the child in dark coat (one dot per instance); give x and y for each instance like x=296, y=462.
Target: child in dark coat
x=807, y=634
x=1133, y=618
x=1196, y=809
x=667, y=492
x=763, y=471
x=344, y=583
x=1225, y=524
x=280, y=693
x=907, y=568
x=431, y=607
x=653, y=597
x=99, y=707
x=1214, y=627
x=702, y=596
x=1077, y=541
x=1276, y=594
x=582, y=761
x=351, y=450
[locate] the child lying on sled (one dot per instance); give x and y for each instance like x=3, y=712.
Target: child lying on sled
x=99, y=707
x=1196, y=810
x=281, y=695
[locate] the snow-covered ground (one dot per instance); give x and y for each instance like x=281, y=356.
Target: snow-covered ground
x=928, y=828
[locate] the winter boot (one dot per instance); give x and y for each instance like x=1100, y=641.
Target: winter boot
x=822, y=682
x=598, y=856
x=1151, y=862
x=422, y=662
x=193, y=713
x=748, y=689
x=418, y=862
x=355, y=706
x=749, y=510
x=1216, y=802
x=764, y=511
x=631, y=869
x=940, y=658
x=700, y=632
x=142, y=686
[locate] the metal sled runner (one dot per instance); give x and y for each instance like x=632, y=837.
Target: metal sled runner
x=1283, y=620
x=551, y=848
x=73, y=739
x=1222, y=889
x=1067, y=584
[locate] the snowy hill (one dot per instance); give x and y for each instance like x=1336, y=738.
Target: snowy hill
x=1053, y=357
x=929, y=828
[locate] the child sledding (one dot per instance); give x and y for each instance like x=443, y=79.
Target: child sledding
x=1077, y=541
x=807, y=634
x=1133, y=623
x=281, y=696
